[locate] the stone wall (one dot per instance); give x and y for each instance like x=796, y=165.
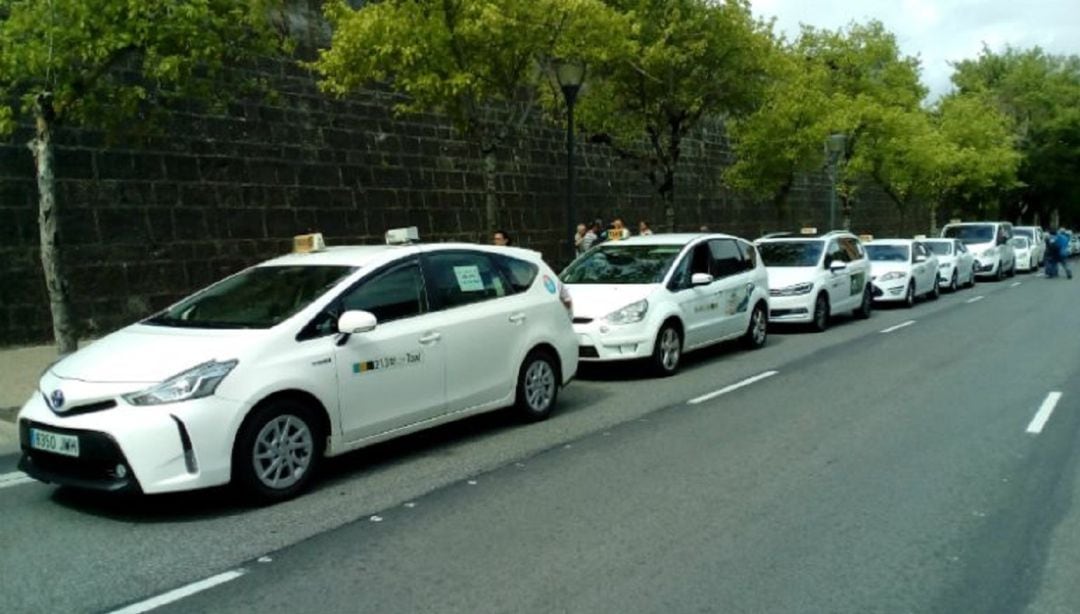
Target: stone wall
x=145, y=224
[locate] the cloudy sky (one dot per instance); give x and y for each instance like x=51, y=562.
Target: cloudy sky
x=940, y=31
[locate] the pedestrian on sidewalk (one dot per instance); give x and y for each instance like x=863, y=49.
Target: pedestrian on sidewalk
x=643, y=228
x=1050, y=258
x=579, y=239
x=501, y=237
x=1062, y=254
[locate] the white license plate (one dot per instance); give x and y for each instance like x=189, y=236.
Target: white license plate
x=68, y=445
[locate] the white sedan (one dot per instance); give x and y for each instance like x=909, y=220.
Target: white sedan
x=1026, y=258
x=654, y=297
x=257, y=378
x=902, y=270
x=956, y=263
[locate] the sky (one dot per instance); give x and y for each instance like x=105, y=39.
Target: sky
x=944, y=30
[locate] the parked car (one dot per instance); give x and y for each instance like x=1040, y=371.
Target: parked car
x=956, y=264
x=902, y=270
x=814, y=277
x=258, y=377
x=989, y=242
x=1037, y=238
x=1025, y=254
x=655, y=297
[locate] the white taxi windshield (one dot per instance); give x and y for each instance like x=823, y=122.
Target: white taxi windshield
x=622, y=264
x=791, y=253
x=888, y=253
x=260, y=297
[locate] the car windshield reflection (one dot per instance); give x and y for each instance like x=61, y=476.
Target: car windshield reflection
x=623, y=264
x=888, y=253
x=791, y=253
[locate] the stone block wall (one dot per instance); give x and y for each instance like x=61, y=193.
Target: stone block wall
x=145, y=224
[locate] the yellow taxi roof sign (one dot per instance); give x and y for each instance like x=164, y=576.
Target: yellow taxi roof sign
x=307, y=243
x=808, y=230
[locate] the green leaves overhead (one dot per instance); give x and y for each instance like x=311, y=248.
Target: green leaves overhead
x=106, y=63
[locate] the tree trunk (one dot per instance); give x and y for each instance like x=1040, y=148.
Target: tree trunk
x=491, y=199
x=48, y=218
x=668, y=197
x=933, y=219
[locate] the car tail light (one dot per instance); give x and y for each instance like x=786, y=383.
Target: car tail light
x=564, y=296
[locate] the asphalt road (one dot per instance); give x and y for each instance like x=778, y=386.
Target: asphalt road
x=873, y=472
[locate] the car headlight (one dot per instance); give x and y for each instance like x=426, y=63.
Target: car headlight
x=990, y=253
x=796, y=290
x=195, y=383
x=634, y=312
x=893, y=275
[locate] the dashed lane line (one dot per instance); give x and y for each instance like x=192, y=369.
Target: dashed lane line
x=177, y=594
x=1041, y=416
x=898, y=326
x=732, y=388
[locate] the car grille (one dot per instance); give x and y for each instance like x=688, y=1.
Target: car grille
x=94, y=468
x=582, y=320
x=76, y=410
x=588, y=351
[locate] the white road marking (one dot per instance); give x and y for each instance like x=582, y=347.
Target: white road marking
x=1015, y=283
x=15, y=478
x=733, y=387
x=975, y=299
x=376, y=519
x=1041, y=416
x=180, y=593
x=898, y=326
x=265, y=559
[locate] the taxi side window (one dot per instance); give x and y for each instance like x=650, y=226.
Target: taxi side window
x=726, y=258
x=463, y=278
x=835, y=253
x=750, y=256
x=519, y=273
x=393, y=295
x=851, y=248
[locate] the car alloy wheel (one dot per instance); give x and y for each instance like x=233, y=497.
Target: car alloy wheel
x=821, y=313
x=538, y=386
x=757, y=333
x=935, y=290
x=954, y=284
x=909, y=299
x=277, y=450
x=668, y=350
x=282, y=452
x=867, y=306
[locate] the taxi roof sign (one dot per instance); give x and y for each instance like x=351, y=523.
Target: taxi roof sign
x=808, y=230
x=920, y=237
x=307, y=243
x=402, y=236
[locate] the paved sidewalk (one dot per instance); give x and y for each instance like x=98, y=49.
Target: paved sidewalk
x=20, y=369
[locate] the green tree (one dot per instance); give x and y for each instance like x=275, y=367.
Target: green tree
x=480, y=62
x=1040, y=93
x=682, y=61
x=113, y=65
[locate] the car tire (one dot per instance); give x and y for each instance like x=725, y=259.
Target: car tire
x=1000, y=272
x=667, y=351
x=909, y=298
x=757, y=331
x=971, y=278
x=537, y=386
x=267, y=445
x=935, y=290
x=820, y=322
x=954, y=283
x=867, y=305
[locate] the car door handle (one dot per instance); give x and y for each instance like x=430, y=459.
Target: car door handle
x=517, y=318
x=430, y=338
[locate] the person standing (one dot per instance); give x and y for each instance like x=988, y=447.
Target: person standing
x=592, y=236
x=643, y=228
x=579, y=239
x=501, y=237
x=1050, y=258
x=1062, y=241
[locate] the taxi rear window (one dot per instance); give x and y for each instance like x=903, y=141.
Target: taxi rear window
x=259, y=297
x=520, y=273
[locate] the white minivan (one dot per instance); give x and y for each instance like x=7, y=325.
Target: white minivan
x=989, y=241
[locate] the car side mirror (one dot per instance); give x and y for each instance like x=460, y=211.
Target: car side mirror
x=355, y=322
x=920, y=258
x=701, y=279
x=836, y=266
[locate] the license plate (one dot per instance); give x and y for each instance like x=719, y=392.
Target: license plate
x=68, y=445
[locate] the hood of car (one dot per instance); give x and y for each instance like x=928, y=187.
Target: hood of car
x=151, y=354
x=598, y=300
x=879, y=268
x=782, y=277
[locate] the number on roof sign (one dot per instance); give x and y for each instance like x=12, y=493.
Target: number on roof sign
x=809, y=231
x=304, y=244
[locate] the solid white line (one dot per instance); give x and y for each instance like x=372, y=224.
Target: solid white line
x=1016, y=283
x=14, y=478
x=899, y=326
x=1041, y=416
x=733, y=387
x=975, y=299
x=180, y=593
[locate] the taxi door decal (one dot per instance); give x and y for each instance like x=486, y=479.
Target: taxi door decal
x=858, y=280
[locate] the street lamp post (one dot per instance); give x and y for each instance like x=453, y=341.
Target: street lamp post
x=569, y=75
x=835, y=146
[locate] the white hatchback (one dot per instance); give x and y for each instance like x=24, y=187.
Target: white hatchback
x=815, y=277
x=256, y=378
x=902, y=270
x=956, y=265
x=654, y=297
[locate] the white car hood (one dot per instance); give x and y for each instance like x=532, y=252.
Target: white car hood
x=782, y=277
x=979, y=248
x=877, y=269
x=151, y=354
x=598, y=300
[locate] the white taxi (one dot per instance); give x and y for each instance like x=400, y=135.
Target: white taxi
x=989, y=243
x=654, y=297
x=258, y=377
x=814, y=277
x=902, y=270
x=956, y=264
x=1026, y=258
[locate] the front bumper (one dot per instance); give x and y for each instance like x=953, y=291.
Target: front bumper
x=987, y=268
x=893, y=290
x=797, y=308
x=167, y=448
x=599, y=341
